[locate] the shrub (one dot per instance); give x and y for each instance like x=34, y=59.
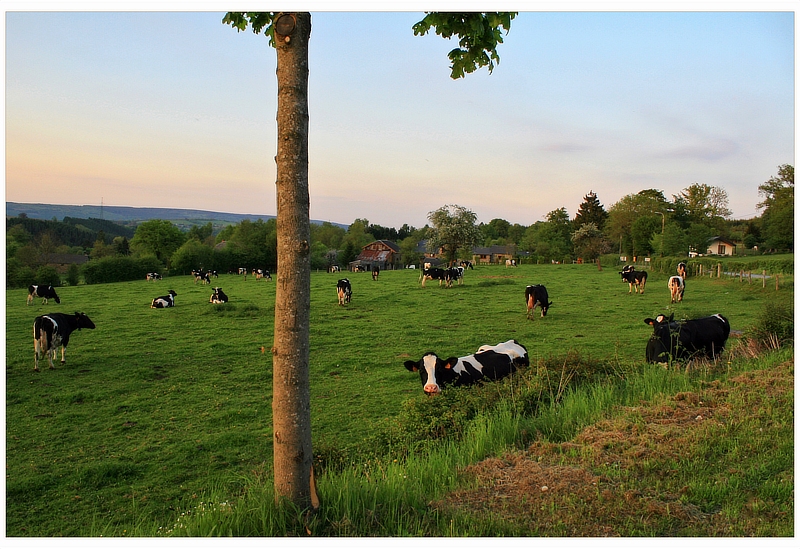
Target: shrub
x=73, y=275
x=48, y=275
x=119, y=269
x=776, y=322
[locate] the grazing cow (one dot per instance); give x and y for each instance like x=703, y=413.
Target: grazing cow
x=153, y=276
x=686, y=339
x=218, y=296
x=202, y=276
x=537, y=295
x=512, y=348
x=45, y=292
x=511, y=263
x=434, y=273
x=636, y=279
x=164, y=301
x=376, y=271
x=334, y=269
x=676, y=287
x=344, y=291
x=454, y=273
x=436, y=373
x=52, y=331
x=467, y=264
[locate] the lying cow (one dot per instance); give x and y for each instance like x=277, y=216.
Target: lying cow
x=676, y=287
x=537, y=295
x=436, y=373
x=636, y=279
x=686, y=339
x=218, y=296
x=45, y=292
x=344, y=291
x=153, y=276
x=164, y=301
x=512, y=348
x=52, y=331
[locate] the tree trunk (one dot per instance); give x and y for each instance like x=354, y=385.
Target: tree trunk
x=291, y=406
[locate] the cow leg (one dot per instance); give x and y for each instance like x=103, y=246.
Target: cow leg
x=36, y=350
x=63, y=350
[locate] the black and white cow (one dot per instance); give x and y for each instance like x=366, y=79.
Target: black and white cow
x=513, y=348
x=153, y=276
x=376, y=271
x=45, y=292
x=454, y=273
x=682, y=270
x=676, y=287
x=344, y=291
x=467, y=264
x=537, y=295
x=203, y=276
x=164, y=301
x=433, y=273
x=636, y=279
x=436, y=373
x=686, y=339
x=218, y=296
x=262, y=273
x=52, y=331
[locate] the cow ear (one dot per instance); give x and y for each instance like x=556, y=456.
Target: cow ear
x=411, y=366
x=650, y=321
x=450, y=362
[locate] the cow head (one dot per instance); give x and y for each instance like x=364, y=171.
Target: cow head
x=173, y=293
x=84, y=321
x=663, y=340
x=433, y=372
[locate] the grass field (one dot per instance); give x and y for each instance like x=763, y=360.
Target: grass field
x=156, y=407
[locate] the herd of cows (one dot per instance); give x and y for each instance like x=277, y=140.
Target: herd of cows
x=671, y=340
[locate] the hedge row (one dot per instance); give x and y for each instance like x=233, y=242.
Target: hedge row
x=120, y=269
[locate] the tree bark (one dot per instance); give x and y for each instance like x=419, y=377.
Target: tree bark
x=291, y=406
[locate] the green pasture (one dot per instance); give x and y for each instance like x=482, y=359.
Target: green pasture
x=157, y=406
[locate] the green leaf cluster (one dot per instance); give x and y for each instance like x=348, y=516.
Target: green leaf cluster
x=478, y=36
x=257, y=20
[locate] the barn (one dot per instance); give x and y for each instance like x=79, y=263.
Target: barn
x=383, y=254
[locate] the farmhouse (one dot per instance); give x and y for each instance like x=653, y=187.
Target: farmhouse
x=720, y=246
x=382, y=254
x=62, y=261
x=493, y=254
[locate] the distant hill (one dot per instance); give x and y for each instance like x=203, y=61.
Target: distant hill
x=130, y=215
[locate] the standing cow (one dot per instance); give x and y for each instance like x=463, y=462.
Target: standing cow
x=376, y=271
x=52, y=331
x=636, y=279
x=45, y=292
x=676, y=287
x=344, y=291
x=537, y=295
x=686, y=339
x=164, y=301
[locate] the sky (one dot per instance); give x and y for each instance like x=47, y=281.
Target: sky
x=174, y=109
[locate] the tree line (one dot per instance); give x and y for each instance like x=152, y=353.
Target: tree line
x=640, y=224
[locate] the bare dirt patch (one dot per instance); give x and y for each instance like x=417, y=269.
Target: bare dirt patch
x=607, y=481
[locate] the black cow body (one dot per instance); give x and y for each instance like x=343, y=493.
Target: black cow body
x=537, y=295
x=218, y=296
x=636, y=279
x=52, y=331
x=344, y=291
x=45, y=292
x=686, y=339
x=164, y=301
x=436, y=373
x=434, y=273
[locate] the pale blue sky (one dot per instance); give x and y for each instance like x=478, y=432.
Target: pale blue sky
x=176, y=109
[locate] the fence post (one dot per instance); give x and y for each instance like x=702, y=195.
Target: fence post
x=776, y=282
x=719, y=270
x=764, y=278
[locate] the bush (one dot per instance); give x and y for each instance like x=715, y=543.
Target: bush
x=73, y=275
x=119, y=269
x=48, y=275
x=776, y=321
